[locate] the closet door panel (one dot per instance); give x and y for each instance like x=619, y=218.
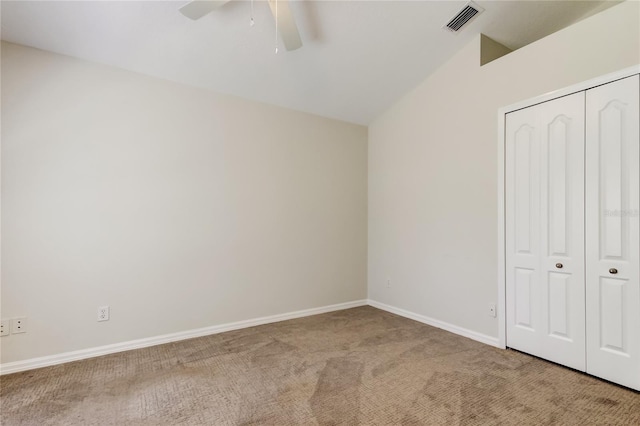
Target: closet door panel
x=562, y=230
x=544, y=211
x=523, y=230
x=613, y=231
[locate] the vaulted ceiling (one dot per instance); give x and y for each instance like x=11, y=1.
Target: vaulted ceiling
x=357, y=58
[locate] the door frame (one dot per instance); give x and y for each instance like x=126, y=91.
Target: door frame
x=502, y=282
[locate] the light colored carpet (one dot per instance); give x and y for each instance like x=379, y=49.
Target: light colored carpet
x=359, y=366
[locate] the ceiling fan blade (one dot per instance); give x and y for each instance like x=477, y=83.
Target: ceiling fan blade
x=286, y=24
x=197, y=9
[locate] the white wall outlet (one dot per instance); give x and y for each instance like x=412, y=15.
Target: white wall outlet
x=388, y=283
x=103, y=313
x=4, y=327
x=492, y=310
x=18, y=325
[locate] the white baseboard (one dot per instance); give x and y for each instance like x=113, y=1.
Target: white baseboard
x=46, y=361
x=483, y=338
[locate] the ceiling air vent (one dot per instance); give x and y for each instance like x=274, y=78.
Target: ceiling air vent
x=468, y=12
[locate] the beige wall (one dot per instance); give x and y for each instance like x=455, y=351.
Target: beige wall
x=433, y=167
x=177, y=207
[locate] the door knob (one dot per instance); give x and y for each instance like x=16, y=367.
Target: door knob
x=613, y=271
x=559, y=265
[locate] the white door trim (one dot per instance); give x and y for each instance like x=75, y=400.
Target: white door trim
x=627, y=72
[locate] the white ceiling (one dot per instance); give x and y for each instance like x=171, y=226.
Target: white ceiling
x=358, y=57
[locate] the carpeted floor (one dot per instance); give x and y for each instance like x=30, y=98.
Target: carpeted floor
x=358, y=366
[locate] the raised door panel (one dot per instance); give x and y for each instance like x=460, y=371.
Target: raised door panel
x=524, y=286
x=613, y=231
x=525, y=175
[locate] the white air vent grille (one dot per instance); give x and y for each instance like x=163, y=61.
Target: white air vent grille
x=468, y=12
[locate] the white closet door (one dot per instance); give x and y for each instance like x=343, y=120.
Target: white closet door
x=612, y=232
x=545, y=230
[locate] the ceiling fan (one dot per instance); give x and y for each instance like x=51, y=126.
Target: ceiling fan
x=280, y=10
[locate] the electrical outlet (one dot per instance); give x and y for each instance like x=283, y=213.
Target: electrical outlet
x=492, y=310
x=388, y=283
x=18, y=325
x=103, y=313
x=4, y=327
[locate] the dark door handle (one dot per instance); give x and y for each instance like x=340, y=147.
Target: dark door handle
x=613, y=271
